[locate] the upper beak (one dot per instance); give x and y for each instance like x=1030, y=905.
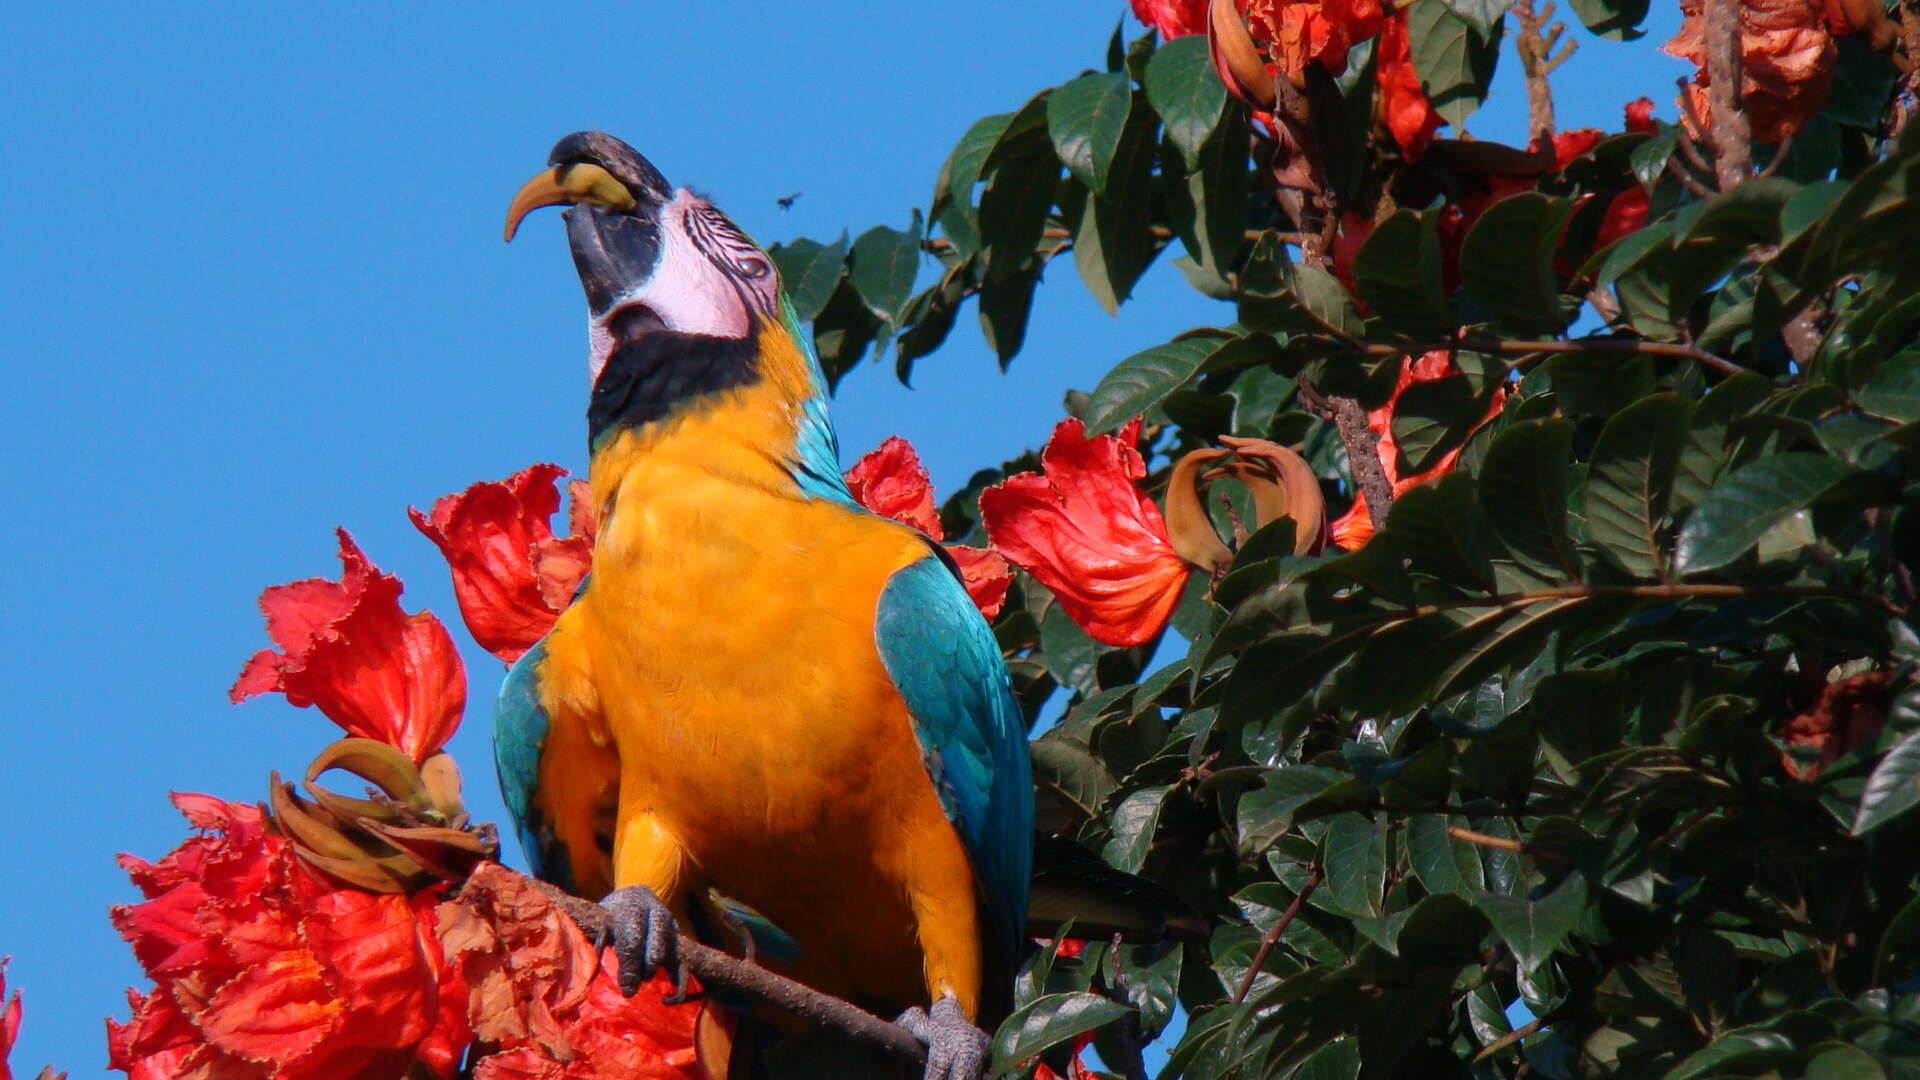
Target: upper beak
x=614, y=228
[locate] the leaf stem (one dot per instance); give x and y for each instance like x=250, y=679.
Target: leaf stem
x=1481, y=839
x=1273, y=933
x=1508, y=1039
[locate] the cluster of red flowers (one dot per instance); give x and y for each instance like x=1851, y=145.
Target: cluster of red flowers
x=1297, y=33
x=1787, y=56
x=265, y=967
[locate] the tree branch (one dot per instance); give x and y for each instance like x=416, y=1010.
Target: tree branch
x=1488, y=840
x=1536, y=60
x=1731, y=133
x=719, y=970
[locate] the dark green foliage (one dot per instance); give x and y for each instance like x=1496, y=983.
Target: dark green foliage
x=1529, y=745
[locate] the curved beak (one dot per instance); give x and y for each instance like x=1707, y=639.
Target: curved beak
x=613, y=224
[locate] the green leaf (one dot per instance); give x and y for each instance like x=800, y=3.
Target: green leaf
x=1086, y=119
x=1533, y=929
x=952, y=204
x=885, y=262
x=1266, y=813
x=1183, y=88
x=1443, y=864
x=1047, y=1022
x=1209, y=205
x=1506, y=262
x=1523, y=489
x=1741, y=1053
x=1356, y=864
x=1630, y=477
x=1892, y=392
x=1004, y=307
x=1706, y=445
x=1134, y=823
x=1844, y=1063
x=1749, y=501
x=1137, y=383
x=1013, y=211
x=1397, y=273
x=1453, y=57
x=1112, y=239
x=1442, y=530
x=1614, y=20
x=1434, y=416
x=1070, y=654
x=1322, y=296
x=810, y=271
x=1893, y=788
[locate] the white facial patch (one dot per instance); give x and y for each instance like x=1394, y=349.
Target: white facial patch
x=709, y=279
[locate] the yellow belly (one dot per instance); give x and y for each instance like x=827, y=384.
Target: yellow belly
x=762, y=749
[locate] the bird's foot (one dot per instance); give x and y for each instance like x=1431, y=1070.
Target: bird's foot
x=956, y=1050
x=645, y=937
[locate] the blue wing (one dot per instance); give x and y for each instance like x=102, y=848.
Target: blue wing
x=520, y=726
x=946, y=664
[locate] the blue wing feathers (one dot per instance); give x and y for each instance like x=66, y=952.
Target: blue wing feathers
x=520, y=725
x=944, y=660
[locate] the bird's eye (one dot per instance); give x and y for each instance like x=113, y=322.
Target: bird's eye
x=753, y=268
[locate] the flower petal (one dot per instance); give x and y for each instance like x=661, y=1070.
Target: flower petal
x=891, y=482
x=1087, y=533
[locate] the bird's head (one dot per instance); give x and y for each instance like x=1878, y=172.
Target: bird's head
x=665, y=272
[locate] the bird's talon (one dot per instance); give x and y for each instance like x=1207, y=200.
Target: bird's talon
x=956, y=1050
x=645, y=936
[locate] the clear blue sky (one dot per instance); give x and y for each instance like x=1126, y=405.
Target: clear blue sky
x=252, y=287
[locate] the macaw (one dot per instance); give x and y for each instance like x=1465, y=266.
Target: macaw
x=762, y=691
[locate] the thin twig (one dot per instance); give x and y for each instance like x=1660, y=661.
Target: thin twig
x=1508, y=1039
x=1502, y=843
x=718, y=970
x=1686, y=179
x=1272, y=935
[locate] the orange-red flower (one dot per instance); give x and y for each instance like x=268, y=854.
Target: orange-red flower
x=1316, y=31
x=370, y=667
x=1787, y=58
x=265, y=972
x=1355, y=527
x=1084, y=530
x=891, y=482
x=547, y=999
x=1173, y=18
x=1640, y=117
x=513, y=577
x=1403, y=105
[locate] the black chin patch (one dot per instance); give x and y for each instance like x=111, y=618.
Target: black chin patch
x=653, y=377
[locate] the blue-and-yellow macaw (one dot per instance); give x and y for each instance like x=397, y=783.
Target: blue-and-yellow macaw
x=763, y=690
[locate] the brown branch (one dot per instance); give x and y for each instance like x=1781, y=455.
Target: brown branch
x=1537, y=61
x=1577, y=345
x=1361, y=444
x=719, y=970
x=1731, y=133
x=1273, y=933
x=1644, y=592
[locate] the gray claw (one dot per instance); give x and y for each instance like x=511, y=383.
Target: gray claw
x=956, y=1050
x=645, y=937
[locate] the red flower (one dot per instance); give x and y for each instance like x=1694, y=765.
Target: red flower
x=1173, y=18
x=891, y=482
x=1640, y=117
x=372, y=668
x=1086, y=532
x=548, y=1000
x=1355, y=527
x=264, y=971
x=513, y=577
x=1847, y=713
x=1317, y=31
x=1403, y=104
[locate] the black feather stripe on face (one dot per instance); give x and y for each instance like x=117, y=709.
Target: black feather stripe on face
x=745, y=265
